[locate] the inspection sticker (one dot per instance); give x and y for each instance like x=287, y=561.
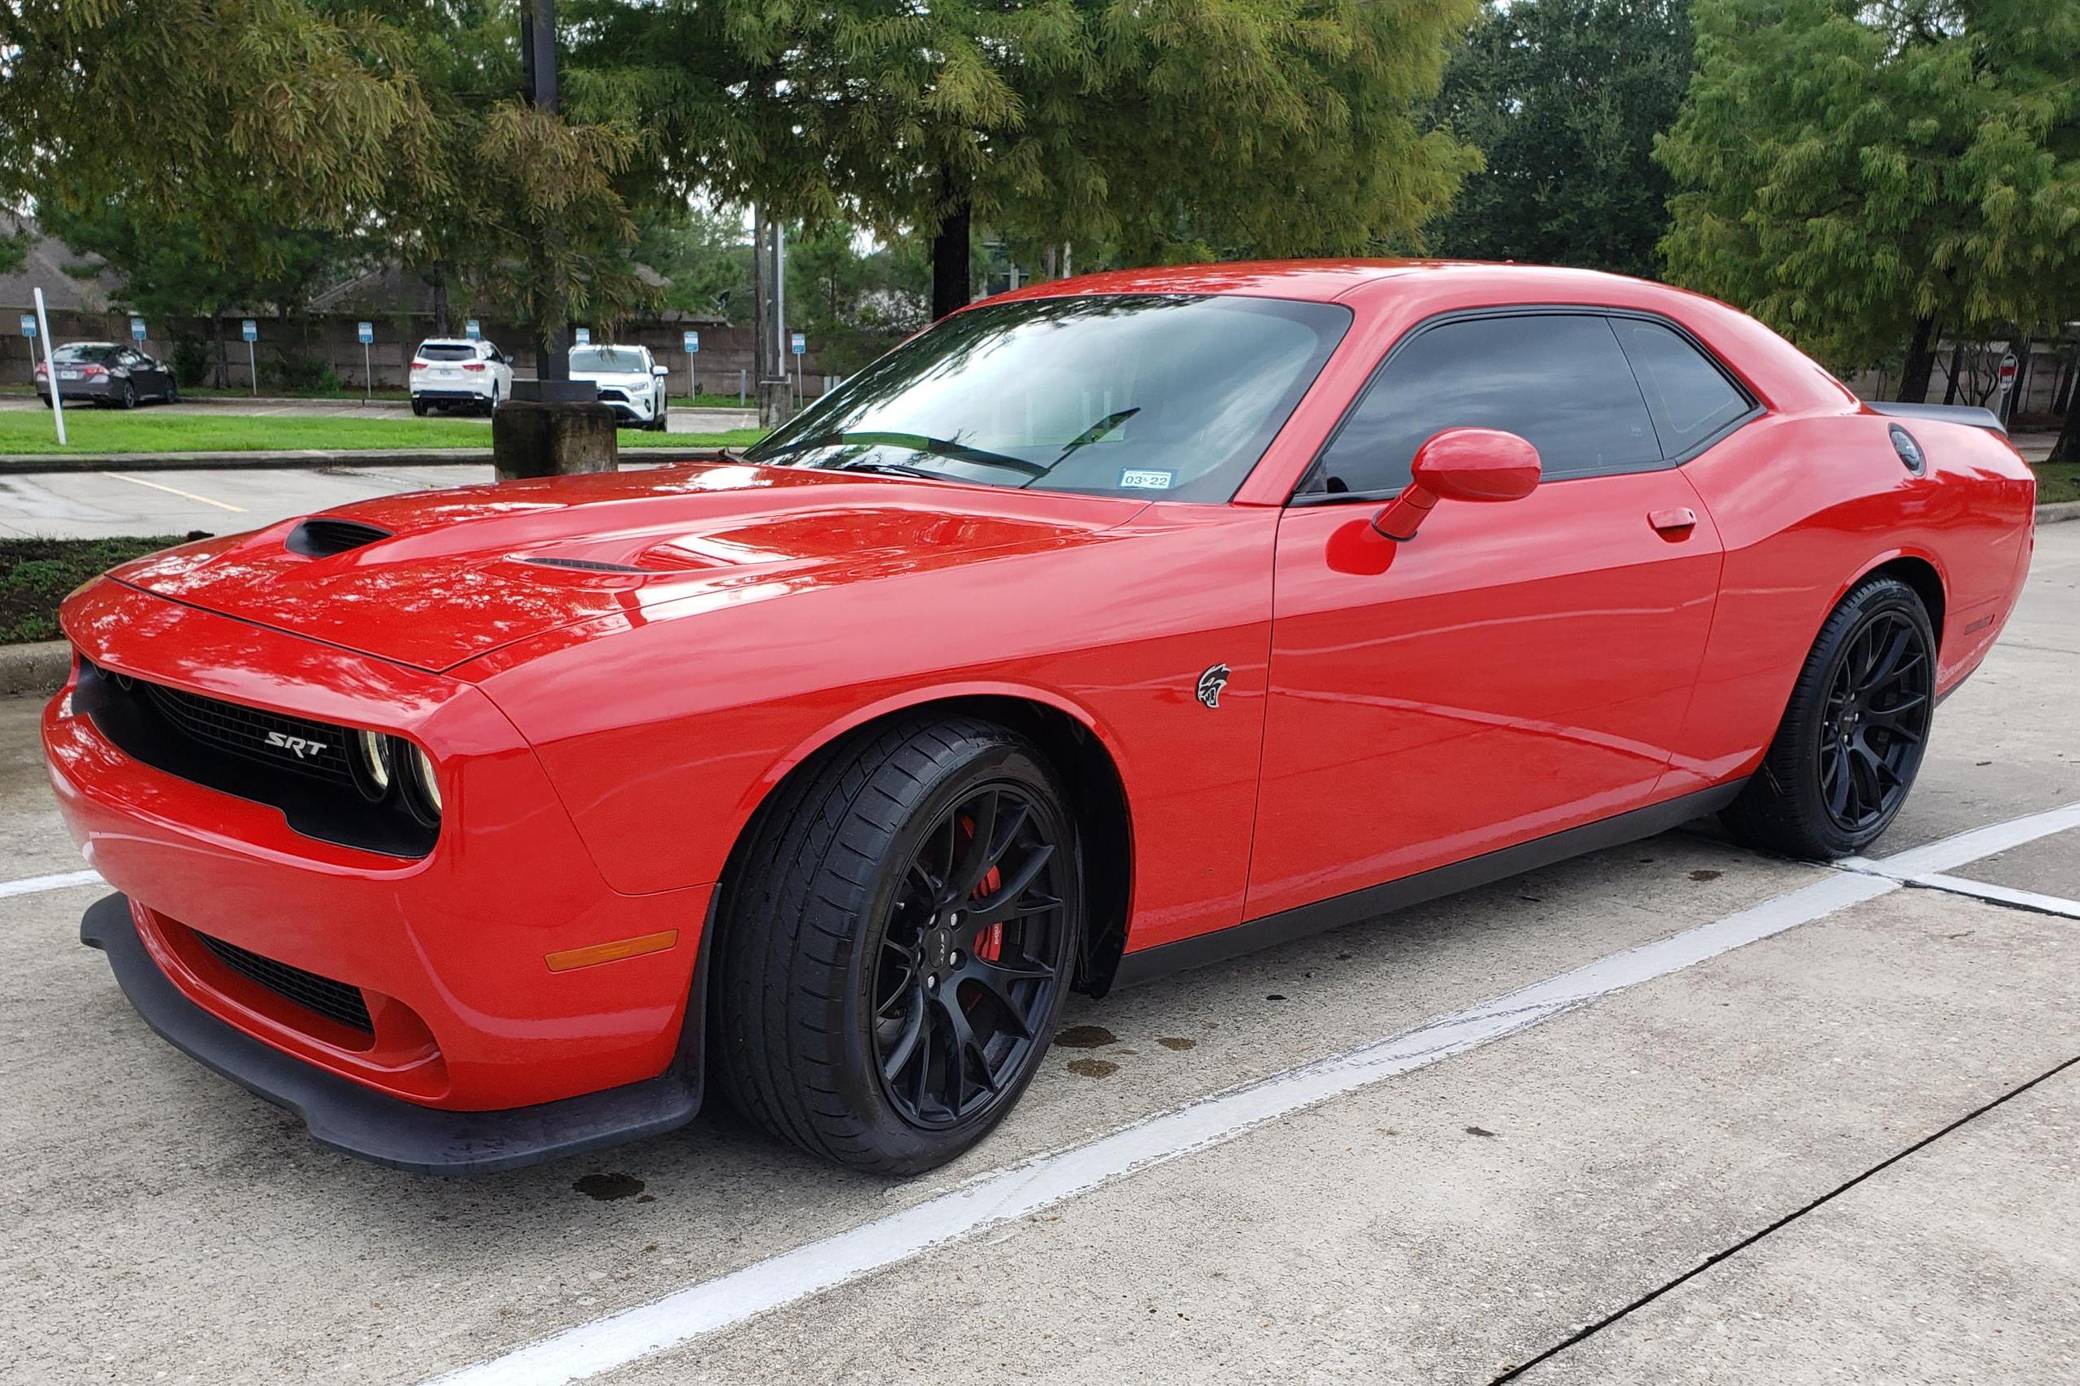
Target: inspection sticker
x=1146, y=481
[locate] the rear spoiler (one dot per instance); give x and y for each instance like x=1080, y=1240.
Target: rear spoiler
x=1943, y=413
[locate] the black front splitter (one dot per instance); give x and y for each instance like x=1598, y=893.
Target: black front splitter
x=365, y=1123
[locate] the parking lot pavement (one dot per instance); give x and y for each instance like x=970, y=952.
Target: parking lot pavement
x=1446, y=1219
x=105, y=504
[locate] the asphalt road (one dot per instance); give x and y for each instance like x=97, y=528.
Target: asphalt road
x=1671, y=1112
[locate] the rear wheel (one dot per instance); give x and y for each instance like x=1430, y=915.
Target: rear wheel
x=1851, y=741
x=897, y=948
x=419, y=406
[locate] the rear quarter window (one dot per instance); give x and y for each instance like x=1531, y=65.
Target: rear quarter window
x=1690, y=398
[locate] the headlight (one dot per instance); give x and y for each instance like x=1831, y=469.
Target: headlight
x=422, y=790
x=371, y=764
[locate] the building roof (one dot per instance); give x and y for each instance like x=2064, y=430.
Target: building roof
x=45, y=268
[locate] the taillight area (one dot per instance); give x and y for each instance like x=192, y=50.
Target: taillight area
x=473, y=365
x=418, y=365
x=41, y=371
x=91, y=372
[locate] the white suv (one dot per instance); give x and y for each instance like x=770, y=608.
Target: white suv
x=629, y=381
x=451, y=371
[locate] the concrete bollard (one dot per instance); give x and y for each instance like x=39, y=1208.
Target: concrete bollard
x=561, y=439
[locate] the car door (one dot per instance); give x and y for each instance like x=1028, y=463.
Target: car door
x=1515, y=669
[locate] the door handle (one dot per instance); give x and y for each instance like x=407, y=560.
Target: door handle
x=1677, y=520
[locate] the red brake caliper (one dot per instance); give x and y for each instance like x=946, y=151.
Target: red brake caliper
x=989, y=944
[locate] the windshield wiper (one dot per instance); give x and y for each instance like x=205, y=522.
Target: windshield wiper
x=890, y=469
x=917, y=442
x=1087, y=437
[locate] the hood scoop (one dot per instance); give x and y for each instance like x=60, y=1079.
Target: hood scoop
x=319, y=537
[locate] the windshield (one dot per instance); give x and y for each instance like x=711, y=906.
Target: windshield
x=608, y=360
x=75, y=352
x=1150, y=395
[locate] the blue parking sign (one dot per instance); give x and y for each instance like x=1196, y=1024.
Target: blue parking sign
x=472, y=329
x=29, y=326
x=366, y=331
x=692, y=341
x=249, y=330
x=583, y=337
x=137, y=329
x=801, y=343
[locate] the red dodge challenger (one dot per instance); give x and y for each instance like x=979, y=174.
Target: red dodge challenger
x=1109, y=627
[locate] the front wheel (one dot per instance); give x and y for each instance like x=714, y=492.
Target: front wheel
x=897, y=944
x=1852, y=739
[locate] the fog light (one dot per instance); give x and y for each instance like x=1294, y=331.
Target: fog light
x=371, y=764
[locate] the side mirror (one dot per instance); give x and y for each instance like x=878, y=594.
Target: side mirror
x=1461, y=464
x=660, y=371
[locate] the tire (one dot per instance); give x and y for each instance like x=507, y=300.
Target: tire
x=491, y=406
x=419, y=407
x=173, y=391
x=839, y=998
x=128, y=399
x=46, y=401
x=1845, y=757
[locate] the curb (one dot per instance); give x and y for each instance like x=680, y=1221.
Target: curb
x=40, y=668
x=60, y=464
x=2056, y=511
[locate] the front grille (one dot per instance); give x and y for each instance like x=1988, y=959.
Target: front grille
x=317, y=749
x=298, y=765
x=336, y=1001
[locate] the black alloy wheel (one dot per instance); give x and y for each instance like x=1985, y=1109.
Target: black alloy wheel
x=971, y=958
x=1852, y=738
x=1875, y=722
x=894, y=943
x=128, y=399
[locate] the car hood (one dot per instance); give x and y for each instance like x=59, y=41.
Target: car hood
x=436, y=578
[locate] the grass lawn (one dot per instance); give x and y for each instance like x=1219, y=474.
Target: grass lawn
x=35, y=575
x=142, y=431
x=2057, y=481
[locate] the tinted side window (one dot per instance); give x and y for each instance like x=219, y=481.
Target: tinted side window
x=1559, y=381
x=1689, y=397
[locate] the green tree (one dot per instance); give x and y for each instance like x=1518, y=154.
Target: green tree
x=301, y=112
x=1563, y=98
x=1173, y=129
x=166, y=266
x=1860, y=174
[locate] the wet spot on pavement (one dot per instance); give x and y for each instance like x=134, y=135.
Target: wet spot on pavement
x=608, y=1187
x=1706, y=875
x=1085, y=1037
x=1092, y=1068
x=1177, y=1042
x=1479, y=1131
x=1274, y=996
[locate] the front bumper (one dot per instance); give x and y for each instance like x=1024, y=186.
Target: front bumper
x=450, y=952
x=361, y=1122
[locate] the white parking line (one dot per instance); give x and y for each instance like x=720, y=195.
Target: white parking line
x=645, y=1330
x=177, y=491
x=2000, y=894
x=30, y=885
